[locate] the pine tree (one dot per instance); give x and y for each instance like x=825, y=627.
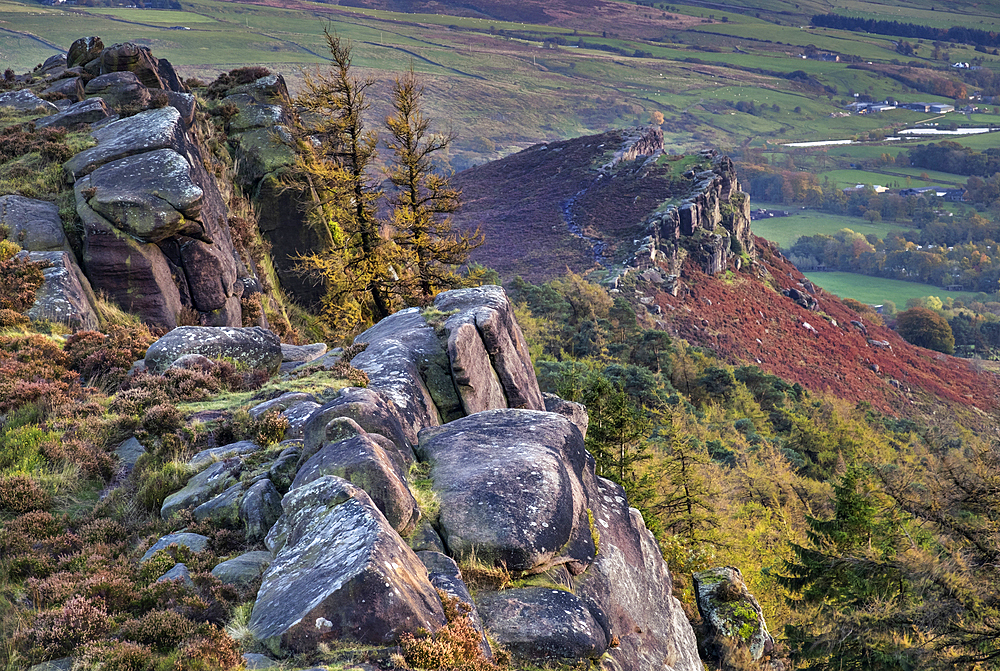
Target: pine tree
x=684, y=507
x=849, y=578
x=424, y=199
x=359, y=267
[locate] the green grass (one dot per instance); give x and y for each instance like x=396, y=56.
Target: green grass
x=876, y=290
x=786, y=230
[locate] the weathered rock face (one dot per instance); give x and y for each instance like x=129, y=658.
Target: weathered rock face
x=259, y=134
x=339, y=571
x=730, y=611
x=712, y=225
x=256, y=347
x=156, y=239
x=26, y=101
x=33, y=224
x=488, y=310
x=87, y=111
x=362, y=461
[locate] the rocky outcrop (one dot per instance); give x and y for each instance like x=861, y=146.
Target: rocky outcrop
x=731, y=612
x=156, y=240
x=255, y=347
x=26, y=101
x=262, y=143
x=515, y=487
x=712, y=225
x=34, y=225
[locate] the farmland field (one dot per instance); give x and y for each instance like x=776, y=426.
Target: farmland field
x=877, y=290
x=786, y=230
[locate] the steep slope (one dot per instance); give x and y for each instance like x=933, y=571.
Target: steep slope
x=613, y=201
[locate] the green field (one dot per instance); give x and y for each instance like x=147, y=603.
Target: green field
x=876, y=290
x=786, y=230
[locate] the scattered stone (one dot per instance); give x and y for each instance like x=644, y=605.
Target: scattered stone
x=178, y=572
x=259, y=509
x=129, y=452
x=24, y=100
x=304, y=353
x=280, y=403
x=243, y=571
x=207, y=457
x=194, y=542
x=202, y=487
x=87, y=111
x=71, y=88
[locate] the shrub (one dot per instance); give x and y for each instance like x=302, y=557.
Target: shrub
x=56, y=632
x=271, y=428
x=160, y=483
x=35, y=525
x=115, y=656
x=162, y=419
x=457, y=645
x=103, y=530
x=161, y=630
x=229, y=80
x=108, y=356
x=20, y=448
x=22, y=493
x=20, y=278
x=211, y=650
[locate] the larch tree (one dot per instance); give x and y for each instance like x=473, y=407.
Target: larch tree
x=360, y=265
x=424, y=199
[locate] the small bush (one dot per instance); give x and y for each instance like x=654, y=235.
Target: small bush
x=108, y=356
x=229, y=80
x=455, y=646
x=161, y=630
x=57, y=632
x=211, y=650
x=162, y=419
x=115, y=656
x=271, y=428
x=35, y=525
x=22, y=493
x=20, y=278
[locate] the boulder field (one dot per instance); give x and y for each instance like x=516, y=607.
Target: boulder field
x=352, y=556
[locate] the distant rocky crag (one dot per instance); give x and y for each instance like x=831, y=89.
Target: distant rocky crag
x=352, y=557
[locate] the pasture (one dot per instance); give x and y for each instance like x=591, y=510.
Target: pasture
x=876, y=290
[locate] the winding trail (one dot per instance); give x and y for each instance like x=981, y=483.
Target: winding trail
x=597, y=245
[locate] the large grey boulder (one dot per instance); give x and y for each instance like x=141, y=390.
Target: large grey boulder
x=731, y=612
x=340, y=572
x=244, y=570
x=150, y=196
x=362, y=461
x=34, y=225
x=84, y=50
x=66, y=295
x=510, y=486
x=406, y=363
x=24, y=100
x=87, y=111
x=255, y=347
x=488, y=309
x=543, y=624
x=202, y=487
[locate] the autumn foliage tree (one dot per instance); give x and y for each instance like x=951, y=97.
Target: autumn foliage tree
x=424, y=199
x=359, y=266
x=926, y=328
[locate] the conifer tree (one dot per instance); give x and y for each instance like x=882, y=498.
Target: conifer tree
x=424, y=199
x=359, y=267
x=685, y=506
